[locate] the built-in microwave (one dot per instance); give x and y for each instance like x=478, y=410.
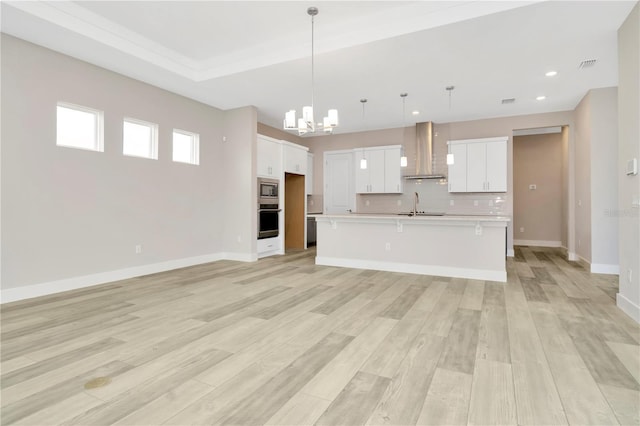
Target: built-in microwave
x=268, y=188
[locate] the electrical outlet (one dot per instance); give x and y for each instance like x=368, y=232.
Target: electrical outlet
x=579, y=203
x=521, y=229
x=387, y=246
x=478, y=229
x=138, y=248
x=579, y=242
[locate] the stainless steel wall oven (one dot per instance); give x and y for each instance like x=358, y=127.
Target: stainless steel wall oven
x=268, y=208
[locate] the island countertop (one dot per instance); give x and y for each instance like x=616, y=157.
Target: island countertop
x=461, y=246
x=419, y=217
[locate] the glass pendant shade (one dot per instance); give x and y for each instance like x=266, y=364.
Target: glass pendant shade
x=403, y=161
x=450, y=159
x=290, y=119
x=363, y=163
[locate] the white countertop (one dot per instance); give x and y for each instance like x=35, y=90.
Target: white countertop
x=392, y=216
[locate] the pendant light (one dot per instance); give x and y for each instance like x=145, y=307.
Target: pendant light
x=403, y=159
x=450, y=159
x=363, y=160
x=306, y=124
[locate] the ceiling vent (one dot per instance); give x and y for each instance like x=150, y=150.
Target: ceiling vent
x=587, y=63
x=508, y=101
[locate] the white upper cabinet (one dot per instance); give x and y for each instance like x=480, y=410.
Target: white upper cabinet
x=497, y=166
x=269, y=157
x=480, y=165
x=458, y=170
x=309, y=177
x=392, y=170
x=295, y=158
x=382, y=173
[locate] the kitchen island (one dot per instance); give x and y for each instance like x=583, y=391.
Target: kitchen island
x=449, y=245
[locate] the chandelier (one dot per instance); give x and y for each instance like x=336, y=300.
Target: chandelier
x=307, y=124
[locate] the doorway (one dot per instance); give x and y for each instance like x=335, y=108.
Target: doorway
x=294, y=214
x=539, y=187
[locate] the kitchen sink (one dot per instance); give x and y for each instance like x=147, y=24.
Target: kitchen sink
x=421, y=214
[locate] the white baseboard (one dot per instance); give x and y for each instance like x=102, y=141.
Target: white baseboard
x=443, y=271
x=628, y=307
x=603, y=268
x=537, y=243
x=42, y=289
x=511, y=253
x=572, y=256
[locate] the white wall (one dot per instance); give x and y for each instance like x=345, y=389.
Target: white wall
x=72, y=217
x=629, y=147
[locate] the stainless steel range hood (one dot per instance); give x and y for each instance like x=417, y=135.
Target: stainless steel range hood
x=425, y=164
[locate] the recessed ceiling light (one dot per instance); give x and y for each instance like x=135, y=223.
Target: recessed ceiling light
x=551, y=73
x=415, y=112
x=541, y=98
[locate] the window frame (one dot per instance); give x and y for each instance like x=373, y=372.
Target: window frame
x=154, y=137
x=195, y=146
x=98, y=142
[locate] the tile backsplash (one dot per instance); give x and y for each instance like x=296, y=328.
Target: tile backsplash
x=433, y=197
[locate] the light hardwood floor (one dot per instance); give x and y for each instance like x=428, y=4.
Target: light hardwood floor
x=285, y=342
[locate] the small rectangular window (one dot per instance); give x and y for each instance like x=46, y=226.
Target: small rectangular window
x=140, y=139
x=79, y=127
x=186, y=147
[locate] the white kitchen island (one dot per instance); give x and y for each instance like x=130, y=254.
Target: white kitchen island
x=452, y=246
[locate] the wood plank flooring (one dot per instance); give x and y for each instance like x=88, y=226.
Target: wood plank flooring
x=282, y=341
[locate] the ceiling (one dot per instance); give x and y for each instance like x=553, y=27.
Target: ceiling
x=230, y=54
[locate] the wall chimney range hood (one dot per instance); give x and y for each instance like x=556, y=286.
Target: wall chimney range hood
x=425, y=164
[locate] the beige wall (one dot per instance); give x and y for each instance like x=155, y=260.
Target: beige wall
x=70, y=213
x=537, y=160
x=604, y=180
x=628, y=148
x=565, y=187
x=596, y=180
x=272, y=132
x=583, y=178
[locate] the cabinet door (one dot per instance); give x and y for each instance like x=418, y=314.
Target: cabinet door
x=476, y=167
x=295, y=160
x=496, y=167
x=458, y=170
x=375, y=164
x=269, y=158
x=392, y=170
x=309, y=176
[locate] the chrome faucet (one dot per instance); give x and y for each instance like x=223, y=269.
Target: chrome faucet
x=416, y=201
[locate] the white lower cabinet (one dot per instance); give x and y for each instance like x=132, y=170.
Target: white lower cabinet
x=267, y=246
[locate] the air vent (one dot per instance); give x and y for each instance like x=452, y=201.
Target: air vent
x=587, y=63
x=508, y=101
